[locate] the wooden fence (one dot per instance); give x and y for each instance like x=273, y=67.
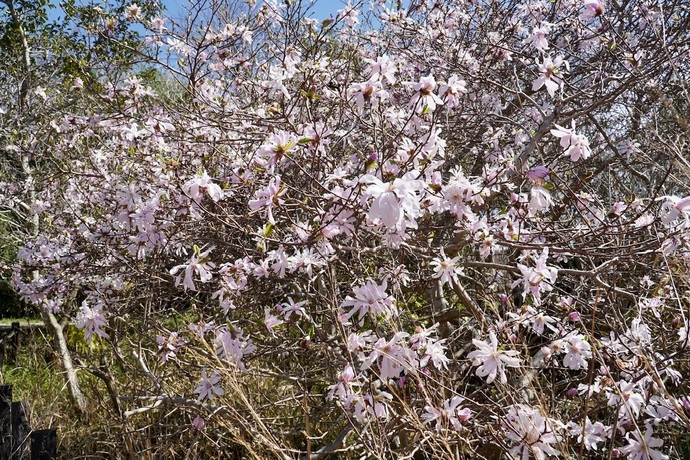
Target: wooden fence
x=17, y=440
x=10, y=339
x=9, y=343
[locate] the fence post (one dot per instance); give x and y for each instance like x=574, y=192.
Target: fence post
x=44, y=445
x=21, y=429
x=14, y=345
x=5, y=422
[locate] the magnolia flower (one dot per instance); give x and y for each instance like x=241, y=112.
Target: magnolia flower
x=674, y=208
x=453, y=91
x=382, y=68
x=627, y=398
x=367, y=405
x=272, y=153
x=577, y=349
x=540, y=199
x=269, y=198
x=445, y=269
x=194, y=188
x=391, y=357
x=550, y=74
x=77, y=83
x=435, y=351
x=641, y=447
x=349, y=14
x=451, y=412
x=368, y=92
x=196, y=264
x=538, y=278
x=344, y=388
x=133, y=12
x=91, y=319
x=593, y=433
x=41, y=92
x=291, y=307
x=576, y=145
x=369, y=299
x=168, y=347
x=424, y=100
x=271, y=321
x=208, y=387
x=395, y=204
x=532, y=432
x=593, y=9
x=538, y=37
x=233, y=346
x=490, y=360
x=538, y=174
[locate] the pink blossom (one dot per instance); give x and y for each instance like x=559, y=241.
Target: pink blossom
x=538, y=37
x=168, y=347
x=370, y=92
x=208, y=387
x=641, y=447
x=446, y=270
x=370, y=405
x=276, y=150
x=576, y=145
x=674, y=208
x=577, y=350
x=197, y=264
x=538, y=174
x=91, y=319
x=382, y=68
x=593, y=433
x=593, y=9
x=390, y=356
x=540, y=200
x=133, y=12
x=453, y=91
x=424, y=100
x=344, y=389
x=194, y=188
x=291, y=307
x=370, y=299
x=491, y=360
x=395, y=204
x=531, y=431
x=271, y=321
x=550, y=74
x=349, y=14
x=269, y=198
x=539, y=278
x=451, y=413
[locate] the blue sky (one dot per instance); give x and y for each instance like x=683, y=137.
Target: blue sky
x=322, y=8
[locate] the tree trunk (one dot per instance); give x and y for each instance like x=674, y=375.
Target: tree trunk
x=55, y=330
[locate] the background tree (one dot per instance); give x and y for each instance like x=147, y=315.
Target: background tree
x=467, y=223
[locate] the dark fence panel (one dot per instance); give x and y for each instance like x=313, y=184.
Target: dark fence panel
x=5, y=421
x=17, y=440
x=21, y=431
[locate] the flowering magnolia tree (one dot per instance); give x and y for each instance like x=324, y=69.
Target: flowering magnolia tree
x=441, y=229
